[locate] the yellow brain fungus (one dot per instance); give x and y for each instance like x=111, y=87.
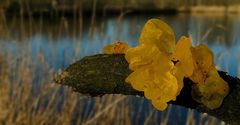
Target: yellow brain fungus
x=152, y=74
x=159, y=66
x=203, y=62
x=182, y=54
x=116, y=47
x=157, y=71
x=211, y=88
x=212, y=92
x=182, y=57
x=157, y=32
x=146, y=55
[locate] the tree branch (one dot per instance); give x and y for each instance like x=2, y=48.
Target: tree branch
x=105, y=74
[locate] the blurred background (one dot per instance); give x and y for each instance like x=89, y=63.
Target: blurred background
x=40, y=37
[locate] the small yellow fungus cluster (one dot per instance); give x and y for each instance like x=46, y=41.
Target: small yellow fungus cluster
x=117, y=47
x=160, y=64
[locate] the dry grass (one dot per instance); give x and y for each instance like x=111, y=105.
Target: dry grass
x=27, y=101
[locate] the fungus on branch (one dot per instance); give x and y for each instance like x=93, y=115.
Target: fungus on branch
x=106, y=73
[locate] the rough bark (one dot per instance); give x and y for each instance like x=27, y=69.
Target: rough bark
x=105, y=74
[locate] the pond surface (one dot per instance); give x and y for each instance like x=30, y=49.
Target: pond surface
x=61, y=41
x=64, y=40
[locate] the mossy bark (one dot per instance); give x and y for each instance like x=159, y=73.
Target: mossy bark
x=105, y=74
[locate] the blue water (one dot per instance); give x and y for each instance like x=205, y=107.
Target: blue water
x=223, y=37
x=61, y=42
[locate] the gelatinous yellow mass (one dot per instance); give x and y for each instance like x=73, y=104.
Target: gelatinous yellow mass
x=177, y=72
x=182, y=57
x=157, y=32
x=203, y=63
x=212, y=92
x=166, y=88
x=159, y=66
x=152, y=74
x=163, y=81
x=147, y=55
x=117, y=47
x=138, y=78
x=211, y=88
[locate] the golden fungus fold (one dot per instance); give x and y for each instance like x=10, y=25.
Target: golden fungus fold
x=203, y=63
x=212, y=92
x=157, y=32
x=160, y=64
